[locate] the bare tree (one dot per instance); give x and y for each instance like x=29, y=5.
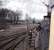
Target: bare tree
x=49, y=8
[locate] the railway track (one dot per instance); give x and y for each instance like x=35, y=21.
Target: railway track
x=14, y=39
x=10, y=42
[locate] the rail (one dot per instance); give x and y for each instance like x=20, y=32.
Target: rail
x=15, y=41
x=11, y=42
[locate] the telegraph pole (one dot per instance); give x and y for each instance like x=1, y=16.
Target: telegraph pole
x=51, y=40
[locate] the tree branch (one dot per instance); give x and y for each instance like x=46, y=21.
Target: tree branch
x=52, y=6
x=45, y=4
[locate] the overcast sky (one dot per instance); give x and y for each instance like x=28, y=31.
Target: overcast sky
x=34, y=8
